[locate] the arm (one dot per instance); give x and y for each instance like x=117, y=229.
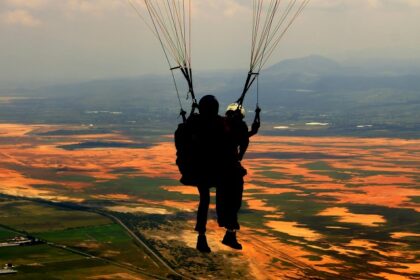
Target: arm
x=243, y=146
x=243, y=140
x=256, y=124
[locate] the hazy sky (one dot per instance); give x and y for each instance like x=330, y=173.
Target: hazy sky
x=70, y=40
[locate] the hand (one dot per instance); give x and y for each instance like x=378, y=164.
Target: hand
x=255, y=126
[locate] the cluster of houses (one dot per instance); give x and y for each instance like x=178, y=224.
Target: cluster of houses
x=18, y=241
x=8, y=269
x=15, y=241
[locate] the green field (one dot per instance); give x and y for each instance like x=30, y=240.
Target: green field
x=46, y=262
x=75, y=243
x=33, y=218
x=108, y=241
x=6, y=234
x=142, y=187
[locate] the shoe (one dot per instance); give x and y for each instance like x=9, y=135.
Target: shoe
x=230, y=240
x=202, y=245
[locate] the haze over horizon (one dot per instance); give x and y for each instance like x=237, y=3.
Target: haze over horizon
x=89, y=182
x=75, y=40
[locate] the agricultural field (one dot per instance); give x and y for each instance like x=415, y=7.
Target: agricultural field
x=46, y=262
x=314, y=207
x=71, y=243
x=6, y=234
x=31, y=217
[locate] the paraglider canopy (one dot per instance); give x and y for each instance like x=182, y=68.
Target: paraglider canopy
x=170, y=22
x=271, y=19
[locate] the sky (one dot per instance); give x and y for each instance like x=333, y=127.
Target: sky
x=60, y=41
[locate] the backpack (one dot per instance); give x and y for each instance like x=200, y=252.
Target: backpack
x=184, y=154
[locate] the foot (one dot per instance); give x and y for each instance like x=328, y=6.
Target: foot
x=202, y=245
x=230, y=240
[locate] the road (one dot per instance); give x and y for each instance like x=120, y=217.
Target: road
x=142, y=243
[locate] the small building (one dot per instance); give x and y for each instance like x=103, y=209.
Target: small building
x=7, y=244
x=7, y=271
x=8, y=266
x=18, y=241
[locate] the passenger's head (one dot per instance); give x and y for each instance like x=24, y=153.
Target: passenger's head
x=208, y=106
x=235, y=110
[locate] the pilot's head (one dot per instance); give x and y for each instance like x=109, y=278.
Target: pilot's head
x=208, y=106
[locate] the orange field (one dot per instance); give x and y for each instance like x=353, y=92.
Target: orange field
x=347, y=184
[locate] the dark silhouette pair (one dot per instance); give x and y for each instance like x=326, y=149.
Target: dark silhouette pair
x=215, y=148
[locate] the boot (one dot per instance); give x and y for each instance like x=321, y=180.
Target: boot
x=230, y=240
x=202, y=245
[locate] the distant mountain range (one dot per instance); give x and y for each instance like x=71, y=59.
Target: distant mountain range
x=310, y=65
x=307, y=89
x=320, y=65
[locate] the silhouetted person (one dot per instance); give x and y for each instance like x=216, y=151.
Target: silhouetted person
x=229, y=192
x=218, y=144
x=208, y=132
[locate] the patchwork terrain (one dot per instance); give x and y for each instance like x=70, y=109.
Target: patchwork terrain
x=314, y=207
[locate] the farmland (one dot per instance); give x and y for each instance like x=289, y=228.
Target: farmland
x=71, y=243
x=318, y=207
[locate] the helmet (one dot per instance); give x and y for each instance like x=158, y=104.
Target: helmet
x=235, y=107
x=208, y=106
